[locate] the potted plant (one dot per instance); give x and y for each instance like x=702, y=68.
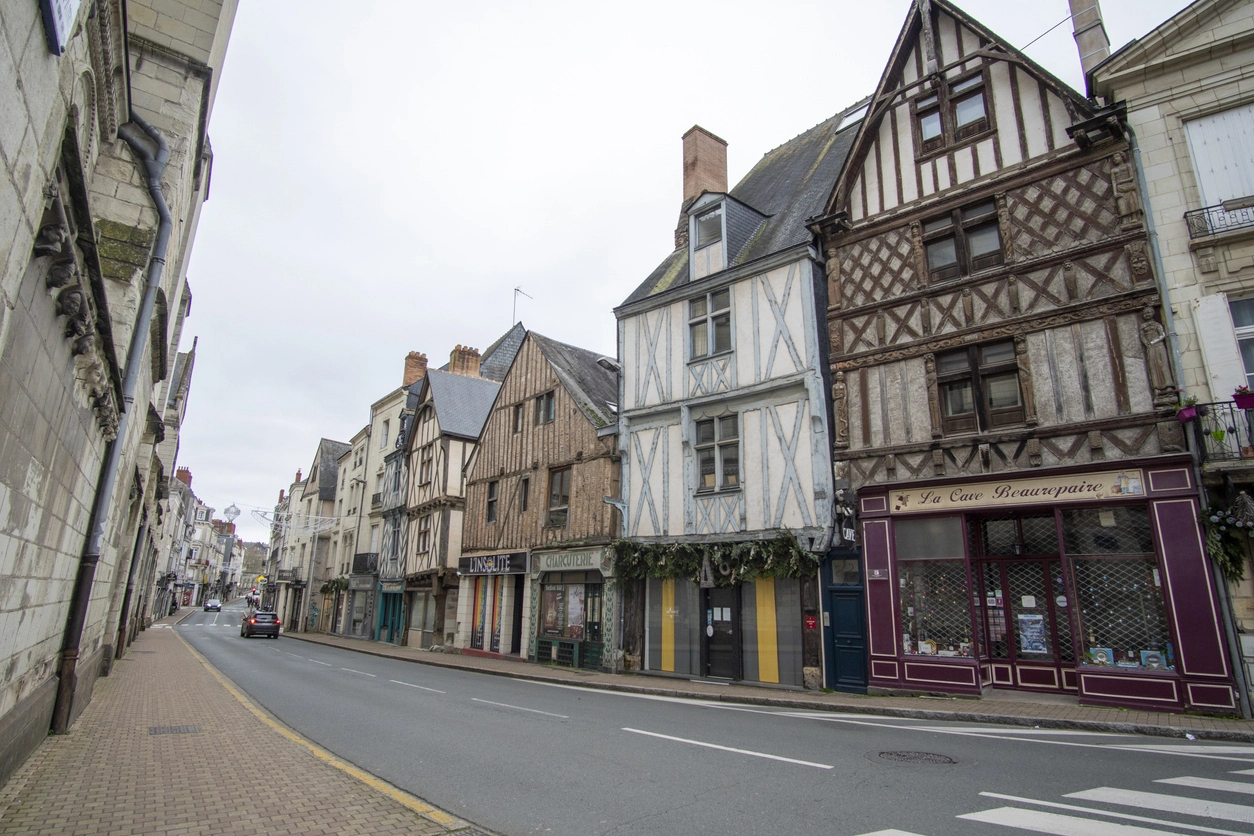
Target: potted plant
x=1244, y=397
x=1187, y=410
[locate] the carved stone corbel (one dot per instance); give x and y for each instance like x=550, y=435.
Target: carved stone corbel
x=881, y=330
x=890, y=467
x=51, y=239
x=925, y=316
x=1138, y=261
x=968, y=307
x=920, y=254
x=1069, y=281
x=938, y=462
x=840, y=412
x=834, y=339
x=1097, y=450
x=1003, y=223
x=63, y=272
x=1012, y=291
x=1034, y=452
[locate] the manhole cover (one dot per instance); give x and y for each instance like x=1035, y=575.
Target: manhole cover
x=174, y=729
x=916, y=757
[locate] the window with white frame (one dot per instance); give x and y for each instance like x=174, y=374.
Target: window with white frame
x=709, y=323
x=1243, y=325
x=718, y=453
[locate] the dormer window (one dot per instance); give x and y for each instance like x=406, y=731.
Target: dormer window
x=707, y=255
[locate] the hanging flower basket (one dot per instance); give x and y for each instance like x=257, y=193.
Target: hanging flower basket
x=1245, y=400
x=1186, y=414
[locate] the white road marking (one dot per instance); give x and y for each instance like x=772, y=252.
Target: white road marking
x=1209, y=784
x=891, y=833
x=519, y=708
x=363, y=673
x=1217, y=750
x=1111, y=814
x=316, y=662
x=1043, y=822
x=730, y=749
x=1169, y=804
x=412, y=685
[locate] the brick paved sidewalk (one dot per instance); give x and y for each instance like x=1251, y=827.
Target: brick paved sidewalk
x=1010, y=707
x=239, y=773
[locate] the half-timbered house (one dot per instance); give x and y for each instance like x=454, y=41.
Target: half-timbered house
x=723, y=427
x=537, y=529
x=450, y=408
x=1003, y=396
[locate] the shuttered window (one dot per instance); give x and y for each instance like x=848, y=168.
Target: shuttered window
x=1222, y=149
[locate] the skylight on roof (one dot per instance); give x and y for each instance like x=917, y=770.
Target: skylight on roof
x=853, y=118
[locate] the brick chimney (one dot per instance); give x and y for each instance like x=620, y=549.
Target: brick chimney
x=298, y=474
x=464, y=360
x=1089, y=33
x=280, y=496
x=705, y=163
x=184, y=475
x=415, y=368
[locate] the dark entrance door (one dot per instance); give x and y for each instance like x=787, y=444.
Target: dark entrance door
x=845, y=632
x=722, y=632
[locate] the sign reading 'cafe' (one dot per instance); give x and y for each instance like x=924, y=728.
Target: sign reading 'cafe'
x=1081, y=488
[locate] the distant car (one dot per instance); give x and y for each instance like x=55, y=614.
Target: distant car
x=260, y=623
x=213, y=604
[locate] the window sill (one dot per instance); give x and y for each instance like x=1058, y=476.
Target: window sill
x=706, y=357
x=718, y=491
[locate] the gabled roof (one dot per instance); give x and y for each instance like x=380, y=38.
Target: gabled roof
x=789, y=185
x=594, y=387
x=498, y=357
x=461, y=403
x=890, y=83
x=327, y=460
x=1180, y=38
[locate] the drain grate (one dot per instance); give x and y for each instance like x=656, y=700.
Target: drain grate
x=174, y=729
x=917, y=757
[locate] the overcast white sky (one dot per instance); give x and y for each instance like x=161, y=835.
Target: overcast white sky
x=382, y=180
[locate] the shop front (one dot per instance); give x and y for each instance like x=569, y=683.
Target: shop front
x=572, y=607
x=1082, y=581
x=391, y=609
x=420, y=601
x=361, y=605
x=491, y=604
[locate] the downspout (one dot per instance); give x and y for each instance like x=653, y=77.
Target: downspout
x=102, y=504
x=1221, y=582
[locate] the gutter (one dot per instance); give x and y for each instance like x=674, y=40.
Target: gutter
x=154, y=164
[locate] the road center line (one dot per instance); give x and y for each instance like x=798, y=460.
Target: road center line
x=363, y=673
x=412, y=685
x=519, y=708
x=1112, y=814
x=730, y=749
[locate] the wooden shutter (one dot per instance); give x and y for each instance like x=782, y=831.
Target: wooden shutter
x=1224, y=369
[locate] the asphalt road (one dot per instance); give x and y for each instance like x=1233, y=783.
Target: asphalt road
x=520, y=757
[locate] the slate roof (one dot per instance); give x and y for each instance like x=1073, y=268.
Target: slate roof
x=789, y=185
x=496, y=360
x=329, y=453
x=461, y=403
x=594, y=388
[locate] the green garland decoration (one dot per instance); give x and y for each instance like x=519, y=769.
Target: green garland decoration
x=730, y=563
x=335, y=585
x=1228, y=533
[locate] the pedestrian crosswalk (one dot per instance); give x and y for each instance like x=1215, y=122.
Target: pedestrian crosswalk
x=1192, y=815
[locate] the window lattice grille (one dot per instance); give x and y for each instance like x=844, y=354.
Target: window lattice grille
x=994, y=612
x=935, y=612
x=1122, y=615
x=1027, y=582
x=1062, y=612
x=1107, y=531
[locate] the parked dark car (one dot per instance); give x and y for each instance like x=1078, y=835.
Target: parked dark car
x=260, y=624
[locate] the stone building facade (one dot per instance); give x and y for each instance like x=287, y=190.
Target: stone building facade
x=78, y=225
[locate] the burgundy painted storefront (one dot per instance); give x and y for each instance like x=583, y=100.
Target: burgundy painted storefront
x=1082, y=580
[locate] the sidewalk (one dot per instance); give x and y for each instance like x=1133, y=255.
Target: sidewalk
x=167, y=747
x=1017, y=708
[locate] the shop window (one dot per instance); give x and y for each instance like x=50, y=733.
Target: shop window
x=978, y=388
x=932, y=582
x=572, y=606
x=1014, y=535
x=524, y=493
x=545, y=408
x=518, y=418
x=718, y=453
x=1103, y=531
x=709, y=324
x=559, y=496
x=952, y=113
x=963, y=241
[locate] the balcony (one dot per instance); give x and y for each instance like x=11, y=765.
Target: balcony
x=1224, y=217
x=376, y=500
x=286, y=575
x=366, y=563
x=1222, y=432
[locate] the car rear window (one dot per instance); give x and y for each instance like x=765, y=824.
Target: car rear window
x=265, y=616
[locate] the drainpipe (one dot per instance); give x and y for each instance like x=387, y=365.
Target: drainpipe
x=1221, y=583
x=154, y=166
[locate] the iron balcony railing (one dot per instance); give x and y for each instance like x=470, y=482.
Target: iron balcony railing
x=376, y=500
x=1224, y=217
x=1223, y=432
x=365, y=563
x=286, y=575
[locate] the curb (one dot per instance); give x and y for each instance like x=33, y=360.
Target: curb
x=1110, y=726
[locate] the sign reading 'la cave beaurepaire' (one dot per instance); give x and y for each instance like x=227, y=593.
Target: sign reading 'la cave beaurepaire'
x=1087, y=487
x=513, y=563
